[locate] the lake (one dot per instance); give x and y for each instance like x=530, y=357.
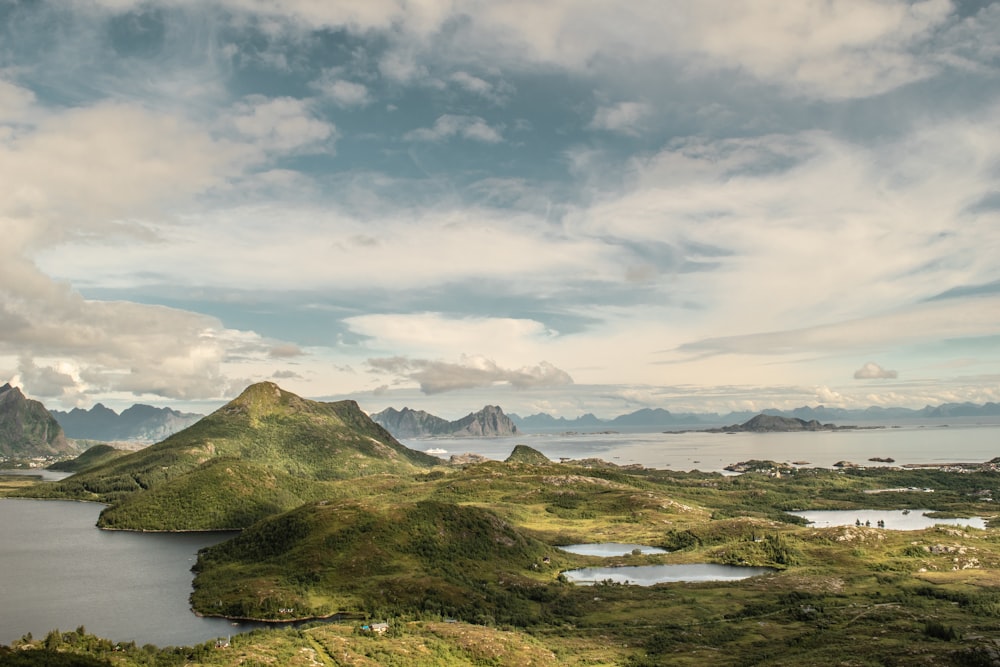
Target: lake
x=708, y=452
x=58, y=570
x=648, y=575
x=610, y=549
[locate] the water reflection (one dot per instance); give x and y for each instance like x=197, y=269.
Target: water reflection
x=648, y=575
x=915, y=519
x=608, y=549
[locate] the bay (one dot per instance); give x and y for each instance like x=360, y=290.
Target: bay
x=58, y=570
x=712, y=452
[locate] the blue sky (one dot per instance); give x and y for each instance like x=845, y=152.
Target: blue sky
x=561, y=206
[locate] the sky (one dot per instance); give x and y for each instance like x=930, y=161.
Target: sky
x=560, y=206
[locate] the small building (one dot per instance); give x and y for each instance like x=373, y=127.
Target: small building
x=377, y=628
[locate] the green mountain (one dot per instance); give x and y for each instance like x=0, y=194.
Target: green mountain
x=264, y=452
x=27, y=429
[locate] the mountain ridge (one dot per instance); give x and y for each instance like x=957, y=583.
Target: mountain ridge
x=138, y=423
x=490, y=422
x=27, y=428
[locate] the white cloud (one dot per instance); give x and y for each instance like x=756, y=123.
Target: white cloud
x=498, y=92
x=17, y=104
x=282, y=124
x=624, y=117
x=872, y=371
x=435, y=377
x=447, y=126
x=45, y=381
x=471, y=83
x=345, y=94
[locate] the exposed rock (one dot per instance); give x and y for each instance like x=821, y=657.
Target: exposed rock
x=466, y=459
x=27, y=429
x=489, y=422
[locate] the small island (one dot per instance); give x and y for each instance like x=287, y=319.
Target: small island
x=764, y=423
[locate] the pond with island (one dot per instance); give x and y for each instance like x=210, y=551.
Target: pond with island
x=609, y=549
x=649, y=575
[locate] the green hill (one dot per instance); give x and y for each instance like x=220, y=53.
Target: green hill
x=527, y=455
x=287, y=442
x=93, y=457
x=328, y=557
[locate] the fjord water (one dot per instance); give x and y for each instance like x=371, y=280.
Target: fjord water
x=58, y=570
x=932, y=443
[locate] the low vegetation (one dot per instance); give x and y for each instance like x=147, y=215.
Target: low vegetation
x=462, y=564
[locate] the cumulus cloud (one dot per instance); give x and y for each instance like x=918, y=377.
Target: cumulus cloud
x=86, y=173
x=436, y=377
x=872, y=371
x=45, y=381
x=447, y=126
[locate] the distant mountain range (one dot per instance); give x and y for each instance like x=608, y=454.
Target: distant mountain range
x=655, y=419
x=407, y=423
x=27, y=430
x=139, y=423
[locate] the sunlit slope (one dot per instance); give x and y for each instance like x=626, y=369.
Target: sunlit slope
x=274, y=441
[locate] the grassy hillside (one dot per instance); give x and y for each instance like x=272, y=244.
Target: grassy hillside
x=94, y=456
x=288, y=440
x=329, y=557
x=470, y=545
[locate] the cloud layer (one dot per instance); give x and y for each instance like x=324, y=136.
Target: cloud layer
x=702, y=204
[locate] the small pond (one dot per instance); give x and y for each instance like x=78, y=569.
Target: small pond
x=609, y=549
x=915, y=519
x=648, y=575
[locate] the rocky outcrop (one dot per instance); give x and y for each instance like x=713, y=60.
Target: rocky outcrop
x=407, y=423
x=27, y=429
x=490, y=422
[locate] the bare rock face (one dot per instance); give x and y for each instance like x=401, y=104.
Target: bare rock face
x=27, y=429
x=490, y=422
